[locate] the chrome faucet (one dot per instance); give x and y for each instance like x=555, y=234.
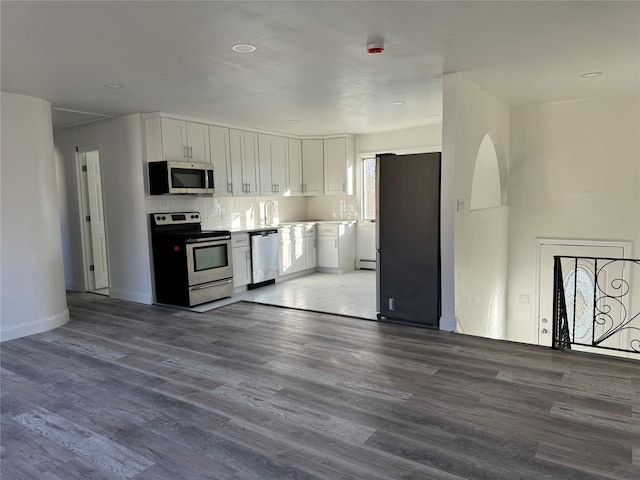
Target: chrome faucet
x=273, y=211
x=253, y=207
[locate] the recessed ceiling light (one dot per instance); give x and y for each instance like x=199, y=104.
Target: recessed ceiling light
x=244, y=48
x=294, y=121
x=113, y=85
x=591, y=74
x=397, y=102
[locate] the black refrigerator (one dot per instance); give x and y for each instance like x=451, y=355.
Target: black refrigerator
x=408, y=238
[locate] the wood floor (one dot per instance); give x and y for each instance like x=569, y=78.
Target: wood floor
x=127, y=391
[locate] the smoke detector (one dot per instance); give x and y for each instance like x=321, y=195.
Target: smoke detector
x=375, y=48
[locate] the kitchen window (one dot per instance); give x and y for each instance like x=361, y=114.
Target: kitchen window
x=369, y=188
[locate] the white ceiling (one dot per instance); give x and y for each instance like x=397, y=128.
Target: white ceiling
x=311, y=62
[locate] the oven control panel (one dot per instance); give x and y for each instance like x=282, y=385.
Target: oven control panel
x=176, y=218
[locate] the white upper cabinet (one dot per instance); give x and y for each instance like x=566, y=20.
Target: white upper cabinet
x=273, y=153
x=198, y=142
x=245, y=176
x=176, y=140
x=279, y=157
x=312, y=167
x=339, y=156
x=221, y=160
x=295, y=166
x=248, y=163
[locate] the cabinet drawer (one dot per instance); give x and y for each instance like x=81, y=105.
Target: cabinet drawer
x=285, y=233
x=328, y=230
x=239, y=240
x=310, y=230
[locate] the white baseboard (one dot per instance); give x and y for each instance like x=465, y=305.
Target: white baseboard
x=144, y=298
x=362, y=264
x=448, y=324
x=39, y=326
x=335, y=270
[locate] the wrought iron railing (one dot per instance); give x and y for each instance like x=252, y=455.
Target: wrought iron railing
x=594, y=304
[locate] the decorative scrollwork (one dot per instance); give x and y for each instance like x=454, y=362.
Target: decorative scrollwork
x=611, y=299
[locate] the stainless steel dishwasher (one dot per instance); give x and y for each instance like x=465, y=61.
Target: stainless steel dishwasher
x=265, y=251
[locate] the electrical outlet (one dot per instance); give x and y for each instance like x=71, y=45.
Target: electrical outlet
x=524, y=299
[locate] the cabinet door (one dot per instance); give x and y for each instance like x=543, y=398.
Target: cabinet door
x=243, y=147
x=297, y=251
x=312, y=167
x=335, y=166
x=174, y=139
x=279, y=156
x=267, y=184
x=236, y=152
x=250, y=167
x=328, y=255
x=295, y=166
x=221, y=160
x=241, y=266
x=198, y=142
x=285, y=256
x=310, y=252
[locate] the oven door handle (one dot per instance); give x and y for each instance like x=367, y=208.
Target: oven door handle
x=211, y=284
x=209, y=239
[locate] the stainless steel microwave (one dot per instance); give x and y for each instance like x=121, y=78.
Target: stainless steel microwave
x=180, y=178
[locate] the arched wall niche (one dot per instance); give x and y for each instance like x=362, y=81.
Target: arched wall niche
x=489, y=176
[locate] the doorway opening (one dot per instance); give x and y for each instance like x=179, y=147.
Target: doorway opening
x=92, y=219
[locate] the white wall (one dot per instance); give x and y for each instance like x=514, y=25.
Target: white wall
x=32, y=280
x=120, y=144
x=575, y=173
x=480, y=237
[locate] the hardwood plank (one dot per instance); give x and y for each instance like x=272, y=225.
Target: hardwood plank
x=106, y=454
x=250, y=391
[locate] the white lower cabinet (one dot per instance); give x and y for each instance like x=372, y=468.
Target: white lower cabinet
x=297, y=254
x=241, y=252
x=336, y=246
x=286, y=258
x=310, y=246
x=297, y=248
x=328, y=252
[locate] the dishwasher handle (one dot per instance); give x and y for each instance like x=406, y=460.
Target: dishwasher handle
x=264, y=233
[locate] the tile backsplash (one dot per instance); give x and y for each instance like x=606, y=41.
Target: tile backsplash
x=240, y=212
x=334, y=208
x=231, y=212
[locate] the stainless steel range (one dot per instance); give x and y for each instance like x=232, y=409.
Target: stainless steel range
x=191, y=266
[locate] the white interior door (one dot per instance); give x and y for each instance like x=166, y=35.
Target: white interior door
x=96, y=212
x=579, y=291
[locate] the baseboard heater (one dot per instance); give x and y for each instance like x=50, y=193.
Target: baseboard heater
x=362, y=264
